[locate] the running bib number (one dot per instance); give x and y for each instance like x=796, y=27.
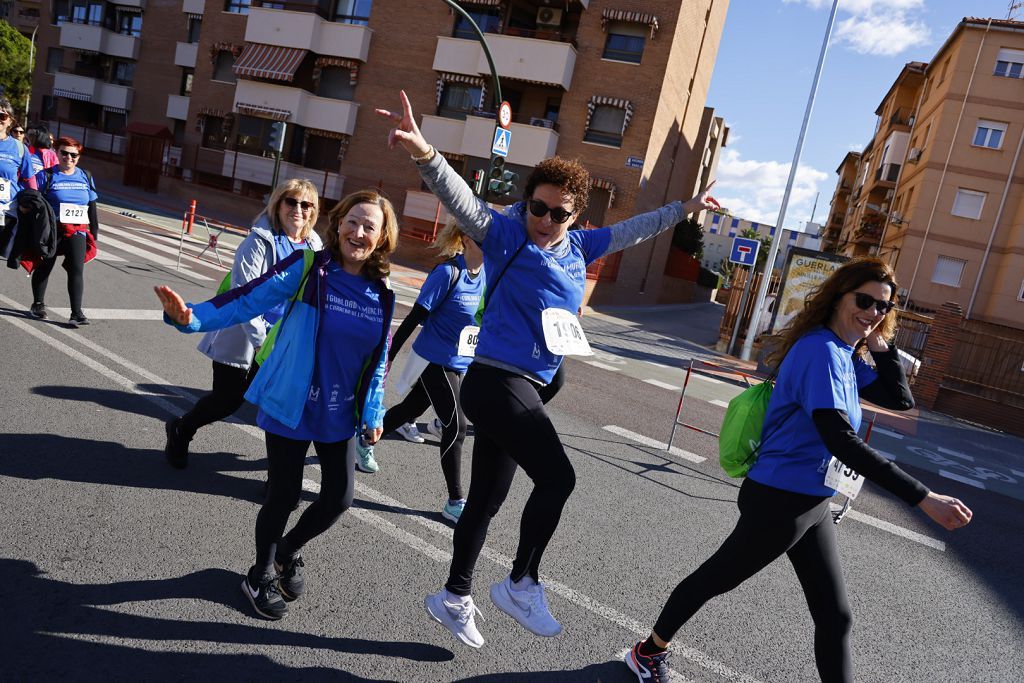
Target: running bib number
x=75, y=214
x=5, y=191
x=468, y=340
x=563, y=333
x=843, y=479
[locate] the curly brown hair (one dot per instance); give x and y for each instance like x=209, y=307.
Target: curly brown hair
x=822, y=301
x=379, y=263
x=568, y=175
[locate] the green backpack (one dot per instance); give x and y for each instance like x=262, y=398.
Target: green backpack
x=740, y=437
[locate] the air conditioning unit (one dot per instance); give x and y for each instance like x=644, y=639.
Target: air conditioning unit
x=896, y=218
x=914, y=156
x=885, y=207
x=889, y=193
x=549, y=17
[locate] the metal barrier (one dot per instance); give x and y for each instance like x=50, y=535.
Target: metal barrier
x=188, y=221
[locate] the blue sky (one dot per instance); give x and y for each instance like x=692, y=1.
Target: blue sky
x=763, y=75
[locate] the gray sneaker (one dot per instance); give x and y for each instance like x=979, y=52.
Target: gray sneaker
x=409, y=432
x=365, y=462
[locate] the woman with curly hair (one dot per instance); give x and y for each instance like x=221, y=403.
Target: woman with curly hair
x=322, y=380
x=536, y=276
x=811, y=424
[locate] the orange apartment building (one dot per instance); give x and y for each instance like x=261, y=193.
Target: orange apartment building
x=619, y=84
x=938, y=190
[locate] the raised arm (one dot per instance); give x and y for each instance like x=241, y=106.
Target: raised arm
x=644, y=226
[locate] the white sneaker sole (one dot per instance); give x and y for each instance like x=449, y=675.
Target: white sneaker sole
x=628, y=659
x=248, y=595
x=366, y=470
x=411, y=438
x=460, y=637
x=449, y=516
x=501, y=600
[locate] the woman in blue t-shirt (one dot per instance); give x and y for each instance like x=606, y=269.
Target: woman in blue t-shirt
x=446, y=306
x=322, y=382
x=15, y=174
x=537, y=269
x=284, y=226
x=810, y=427
x=72, y=194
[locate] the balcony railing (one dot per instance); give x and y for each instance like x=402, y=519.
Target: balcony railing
x=904, y=116
x=524, y=119
x=868, y=231
x=888, y=173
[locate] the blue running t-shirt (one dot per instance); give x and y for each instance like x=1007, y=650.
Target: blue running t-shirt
x=438, y=341
x=68, y=188
x=14, y=163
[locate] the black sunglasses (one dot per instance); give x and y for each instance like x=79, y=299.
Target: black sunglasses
x=539, y=209
x=18, y=131
x=865, y=301
x=4, y=116
x=73, y=155
x=292, y=202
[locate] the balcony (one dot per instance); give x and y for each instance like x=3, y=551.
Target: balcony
x=308, y=31
x=141, y=4
x=25, y=18
x=98, y=39
x=868, y=232
x=94, y=90
x=177, y=107
x=257, y=169
x=902, y=118
x=473, y=137
x=887, y=174
x=185, y=54
x=306, y=109
x=524, y=59
x=193, y=6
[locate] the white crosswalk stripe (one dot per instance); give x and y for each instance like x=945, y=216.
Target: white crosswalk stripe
x=169, y=243
x=152, y=257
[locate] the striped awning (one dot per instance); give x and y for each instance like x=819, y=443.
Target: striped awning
x=194, y=15
x=321, y=133
x=72, y=94
x=631, y=17
x=324, y=62
x=445, y=77
x=115, y=110
x=263, y=111
x=211, y=111
x=488, y=3
x=127, y=9
x=605, y=184
x=259, y=60
x=601, y=100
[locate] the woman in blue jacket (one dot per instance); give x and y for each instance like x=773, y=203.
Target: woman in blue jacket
x=15, y=173
x=339, y=306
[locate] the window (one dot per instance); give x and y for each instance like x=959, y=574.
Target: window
x=179, y=133
x=336, y=83
x=195, y=24
x=322, y=153
x=129, y=24
x=968, y=204
x=187, y=74
x=123, y=73
x=86, y=13
x=597, y=204
x=85, y=113
x=215, y=132
x=237, y=6
x=458, y=100
x=223, y=68
x=606, y=126
x=948, y=271
x=253, y=135
x=61, y=12
x=54, y=60
x=353, y=12
x=114, y=122
x=1010, y=63
x=487, y=18
x=625, y=42
x=945, y=69
x=989, y=134
x=49, y=107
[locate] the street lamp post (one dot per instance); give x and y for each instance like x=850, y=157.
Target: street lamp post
x=31, y=61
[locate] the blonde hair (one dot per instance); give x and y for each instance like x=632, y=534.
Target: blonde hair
x=293, y=187
x=379, y=263
x=449, y=240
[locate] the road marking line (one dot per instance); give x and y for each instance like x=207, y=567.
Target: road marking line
x=663, y=385
x=893, y=529
x=955, y=454
x=647, y=441
x=169, y=244
x=963, y=480
x=154, y=258
x=888, y=456
x=885, y=432
x=107, y=257
x=657, y=365
x=705, y=378
x=1018, y=473
x=116, y=313
x=718, y=402
x=603, y=366
x=581, y=600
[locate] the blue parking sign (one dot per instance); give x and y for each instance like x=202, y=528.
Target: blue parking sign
x=744, y=251
x=502, y=141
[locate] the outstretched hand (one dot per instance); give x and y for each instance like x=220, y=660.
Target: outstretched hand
x=946, y=511
x=405, y=132
x=702, y=202
x=174, y=305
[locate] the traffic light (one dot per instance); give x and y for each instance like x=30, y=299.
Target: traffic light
x=501, y=180
x=478, y=181
x=276, y=139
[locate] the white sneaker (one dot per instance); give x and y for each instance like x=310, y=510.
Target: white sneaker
x=409, y=432
x=456, y=617
x=529, y=607
x=434, y=427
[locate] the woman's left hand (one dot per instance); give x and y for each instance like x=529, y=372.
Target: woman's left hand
x=876, y=342
x=702, y=202
x=372, y=436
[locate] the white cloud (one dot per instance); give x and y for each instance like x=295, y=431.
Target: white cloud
x=878, y=27
x=753, y=189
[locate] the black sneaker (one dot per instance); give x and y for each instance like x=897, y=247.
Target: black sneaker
x=289, y=578
x=38, y=310
x=78, y=319
x=648, y=668
x=176, y=448
x=264, y=596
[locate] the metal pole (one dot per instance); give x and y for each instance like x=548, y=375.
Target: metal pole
x=31, y=62
x=739, y=312
x=762, y=291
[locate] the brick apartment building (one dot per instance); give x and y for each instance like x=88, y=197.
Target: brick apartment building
x=23, y=15
x=619, y=84
x=938, y=190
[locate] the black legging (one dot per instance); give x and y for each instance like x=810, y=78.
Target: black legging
x=73, y=250
x=228, y=395
x=512, y=428
x=286, y=462
x=438, y=387
x=773, y=522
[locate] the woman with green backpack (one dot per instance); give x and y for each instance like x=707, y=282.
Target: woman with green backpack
x=809, y=449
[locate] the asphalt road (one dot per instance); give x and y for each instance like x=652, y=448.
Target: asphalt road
x=118, y=567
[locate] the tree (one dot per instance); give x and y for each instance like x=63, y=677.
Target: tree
x=689, y=236
x=16, y=74
x=762, y=253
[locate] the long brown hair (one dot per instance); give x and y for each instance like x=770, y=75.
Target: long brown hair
x=379, y=263
x=823, y=299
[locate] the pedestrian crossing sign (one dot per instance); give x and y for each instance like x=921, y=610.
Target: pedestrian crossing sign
x=502, y=141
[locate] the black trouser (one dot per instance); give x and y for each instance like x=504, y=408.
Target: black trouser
x=7, y=230
x=438, y=387
x=286, y=462
x=228, y=395
x=511, y=429
x=773, y=522
x=73, y=249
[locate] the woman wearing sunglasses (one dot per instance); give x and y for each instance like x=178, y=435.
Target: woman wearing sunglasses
x=15, y=173
x=538, y=268
x=71, y=192
x=810, y=435
x=283, y=227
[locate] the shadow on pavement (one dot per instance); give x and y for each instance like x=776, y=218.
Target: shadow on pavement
x=128, y=402
x=605, y=672
x=72, y=621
